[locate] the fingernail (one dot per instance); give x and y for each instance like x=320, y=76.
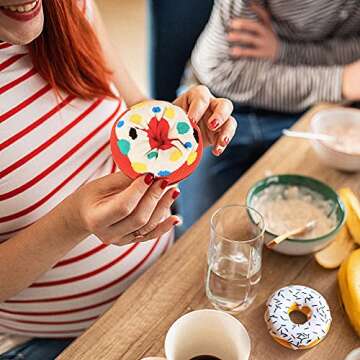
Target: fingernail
x=176, y=222
x=175, y=194
x=218, y=150
x=149, y=178
x=164, y=184
x=214, y=124
x=226, y=140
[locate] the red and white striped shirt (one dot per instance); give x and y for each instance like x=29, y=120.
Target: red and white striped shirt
x=48, y=148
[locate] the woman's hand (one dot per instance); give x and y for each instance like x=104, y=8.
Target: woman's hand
x=120, y=212
x=212, y=114
x=254, y=39
x=350, y=81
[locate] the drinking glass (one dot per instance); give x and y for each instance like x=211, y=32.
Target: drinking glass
x=234, y=257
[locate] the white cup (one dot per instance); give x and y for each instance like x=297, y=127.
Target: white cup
x=353, y=355
x=207, y=332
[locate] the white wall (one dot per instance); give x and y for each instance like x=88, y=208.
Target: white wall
x=126, y=24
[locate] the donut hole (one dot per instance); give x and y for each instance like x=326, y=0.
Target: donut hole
x=299, y=315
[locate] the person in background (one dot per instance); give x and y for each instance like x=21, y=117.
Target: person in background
x=274, y=59
x=74, y=232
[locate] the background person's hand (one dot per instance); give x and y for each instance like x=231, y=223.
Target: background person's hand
x=212, y=114
x=351, y=81
x=251, y=38
x=121, y=211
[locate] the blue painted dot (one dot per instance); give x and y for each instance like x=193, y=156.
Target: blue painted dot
x=164, y=173
x=124, y=146
x=188, y=145
x=120, y=124
x=156, y=109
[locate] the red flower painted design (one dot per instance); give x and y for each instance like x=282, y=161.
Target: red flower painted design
x=158, y=134
x=158, y=131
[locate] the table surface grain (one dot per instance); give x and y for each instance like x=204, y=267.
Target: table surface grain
x=136, y=324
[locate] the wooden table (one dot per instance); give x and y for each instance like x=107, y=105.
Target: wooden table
x=137, y=323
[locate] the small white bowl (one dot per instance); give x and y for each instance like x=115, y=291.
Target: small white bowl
x=301, y=246
x=330, y=156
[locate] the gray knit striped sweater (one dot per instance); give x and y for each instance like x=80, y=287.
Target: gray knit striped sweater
x=318, y=37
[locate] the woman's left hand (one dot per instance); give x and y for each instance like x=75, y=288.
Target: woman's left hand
x=213, y=115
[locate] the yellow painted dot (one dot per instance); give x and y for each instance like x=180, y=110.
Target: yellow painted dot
x=139, y=105
x=136, y=119
x=169, y=113
x=175, y=155
x=140, y=168
x=192, y=157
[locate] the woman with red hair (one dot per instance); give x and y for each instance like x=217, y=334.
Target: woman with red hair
x=74, y=233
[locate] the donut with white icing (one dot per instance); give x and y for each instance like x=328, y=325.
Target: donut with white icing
x=306, y=300
x=156, y=137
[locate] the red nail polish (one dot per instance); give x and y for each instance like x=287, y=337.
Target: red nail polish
x=214, y=124
x=176, y=222
x=149, y=179
x=175, y=194
x=226, y=140
x=164, y=184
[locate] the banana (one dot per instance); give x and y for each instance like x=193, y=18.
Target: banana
x=333, y=255
x=349, y=285
x=353, y=212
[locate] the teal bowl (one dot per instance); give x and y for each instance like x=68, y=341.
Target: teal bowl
x=300, y=246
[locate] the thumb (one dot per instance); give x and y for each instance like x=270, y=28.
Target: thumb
x=115, y=182
x=122, y=202
x=262, y=14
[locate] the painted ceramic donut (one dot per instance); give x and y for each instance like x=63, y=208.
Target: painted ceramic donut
x=297, y=298
x=156, y=137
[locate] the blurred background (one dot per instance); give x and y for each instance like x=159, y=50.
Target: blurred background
x=126, y=23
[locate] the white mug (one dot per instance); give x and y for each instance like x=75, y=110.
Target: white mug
x=353, y=355
x=207, y=332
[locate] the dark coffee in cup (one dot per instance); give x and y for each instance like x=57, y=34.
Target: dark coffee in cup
x=205, y=357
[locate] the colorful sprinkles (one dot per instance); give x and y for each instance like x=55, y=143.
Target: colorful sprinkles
x=164, y=173
x=156, y=109
x=120, y=124
x=124, y=146
x=156, y=137
x=182, y=128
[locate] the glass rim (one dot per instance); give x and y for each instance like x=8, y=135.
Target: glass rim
x=244, y=207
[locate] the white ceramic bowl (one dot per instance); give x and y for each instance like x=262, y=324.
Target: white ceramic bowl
x=301, y=246
x=332, y=157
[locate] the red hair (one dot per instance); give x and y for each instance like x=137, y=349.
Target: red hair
x=67, y=53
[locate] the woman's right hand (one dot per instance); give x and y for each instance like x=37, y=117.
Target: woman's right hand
x=120, y=211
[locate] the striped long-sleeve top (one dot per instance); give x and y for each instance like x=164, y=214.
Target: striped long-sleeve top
x=49, y=147
x=317, y=38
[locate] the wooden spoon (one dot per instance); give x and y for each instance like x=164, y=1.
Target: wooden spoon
x=308, y=227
